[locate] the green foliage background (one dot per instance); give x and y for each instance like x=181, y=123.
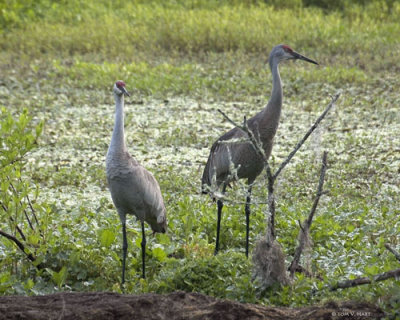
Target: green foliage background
x=181, y=61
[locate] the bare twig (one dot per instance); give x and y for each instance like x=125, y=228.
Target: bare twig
x=272, y=177
x=256, y=143
x=229, y=119
x=21, y=246
x=320, y=189
x=301, y=142
x=395, y=253
x=365, y=280
x=305, y=228
x=301, y=226
x=250, y=134
x=271, y=203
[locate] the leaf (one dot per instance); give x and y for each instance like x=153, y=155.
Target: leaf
x=59, y=277
x=159, y=253
x=107, y=237
x=29, y=284
x=33, y=239
x=371, y=270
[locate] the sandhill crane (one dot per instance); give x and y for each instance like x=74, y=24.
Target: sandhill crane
x=134, y=190
x=228, y=162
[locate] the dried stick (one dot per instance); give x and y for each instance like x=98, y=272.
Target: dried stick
x=21, y=246
x=250, y=134
x=257, y=146
x=272, y=177
x=395, y=253
x=305, y=228
x=301, y=142
x=271, y=203
x=365, y=280
x=320, y=189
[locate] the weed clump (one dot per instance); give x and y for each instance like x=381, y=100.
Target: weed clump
x=269, y=264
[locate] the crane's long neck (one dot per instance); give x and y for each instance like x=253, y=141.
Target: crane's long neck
x=274, y=106
x=118, y=138
x=268, y=119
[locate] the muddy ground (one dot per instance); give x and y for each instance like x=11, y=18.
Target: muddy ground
x=177, y=305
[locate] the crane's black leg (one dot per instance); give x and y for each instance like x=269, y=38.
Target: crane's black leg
x=143, y=251
x=220, y=204
x=247, y=211
x=124, y=250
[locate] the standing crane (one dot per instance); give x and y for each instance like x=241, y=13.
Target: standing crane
x=231, y=158
x=134, y=190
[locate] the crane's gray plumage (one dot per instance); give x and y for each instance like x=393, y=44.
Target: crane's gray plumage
x=134, y=190
x=241, y=155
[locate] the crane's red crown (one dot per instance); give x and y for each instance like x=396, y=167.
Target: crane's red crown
x=120, y=84
x=287, y=48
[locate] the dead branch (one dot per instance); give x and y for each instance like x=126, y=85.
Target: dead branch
x=21, y=246
x=272, y=177
x=301, y=142
x=270, y=236
x=320, y=188
x=395, y=253
x=305, y=228
x=229, y=119
x=365, y=280
x=271, y=202
x=256, y=144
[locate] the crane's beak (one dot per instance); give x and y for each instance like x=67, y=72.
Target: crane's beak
x=301, y=57
x=124, y=91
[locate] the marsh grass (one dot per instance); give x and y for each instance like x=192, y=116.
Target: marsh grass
x=119, y=32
